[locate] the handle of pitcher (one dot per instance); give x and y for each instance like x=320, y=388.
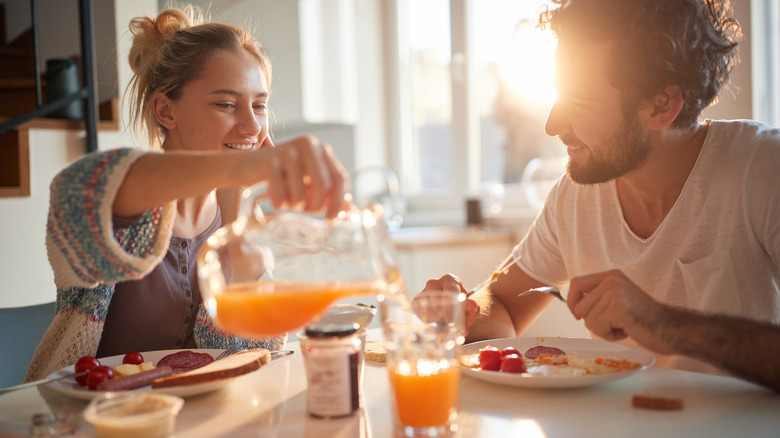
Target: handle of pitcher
x=250, y=197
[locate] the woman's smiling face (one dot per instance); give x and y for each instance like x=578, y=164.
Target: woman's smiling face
x=224, y=108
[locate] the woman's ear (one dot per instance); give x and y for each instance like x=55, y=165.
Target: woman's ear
x=163, y=110
x=665, y=107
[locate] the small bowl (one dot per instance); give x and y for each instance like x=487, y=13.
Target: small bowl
x=133, y=414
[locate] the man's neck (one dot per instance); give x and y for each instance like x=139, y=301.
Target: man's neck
x=648, y=194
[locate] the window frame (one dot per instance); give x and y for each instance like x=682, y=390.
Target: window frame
x=467, y=161
x=765, y=60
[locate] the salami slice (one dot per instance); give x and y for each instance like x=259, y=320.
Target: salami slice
x=183, y=361
x=534, y=352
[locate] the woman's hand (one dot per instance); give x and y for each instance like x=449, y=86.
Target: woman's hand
x=302, y=173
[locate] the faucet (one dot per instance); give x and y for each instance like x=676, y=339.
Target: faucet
x=389, y=197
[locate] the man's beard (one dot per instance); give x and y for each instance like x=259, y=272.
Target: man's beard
x=626, y=151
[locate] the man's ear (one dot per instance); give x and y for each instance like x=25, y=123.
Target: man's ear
x=664, y=107
x=163, y=110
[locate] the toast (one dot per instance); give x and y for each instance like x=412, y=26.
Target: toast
x=232, y=366
x=375, y=351
x=648, y=401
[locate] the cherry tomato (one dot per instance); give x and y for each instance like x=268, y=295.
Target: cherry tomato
x=490, y=359
x=89, y=359
x=509, y=350
x=133, y=358
x=98, y=375
x=85, y=365
x=106, y=369
x=513, y=363
x=94, y=378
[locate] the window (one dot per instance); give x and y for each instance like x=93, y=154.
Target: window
x=472, y=89
x=476, y=81
x=765, y=57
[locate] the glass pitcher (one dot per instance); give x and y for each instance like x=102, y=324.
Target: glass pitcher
x=272, y=271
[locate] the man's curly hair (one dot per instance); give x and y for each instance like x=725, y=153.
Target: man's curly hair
x=689, y=43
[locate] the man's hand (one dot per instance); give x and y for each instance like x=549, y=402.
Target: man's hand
x=449, y=282
x=614, y=308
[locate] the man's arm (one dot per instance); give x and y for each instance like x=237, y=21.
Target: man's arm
x=614, y=308
x=502, y=313
x=747, y=349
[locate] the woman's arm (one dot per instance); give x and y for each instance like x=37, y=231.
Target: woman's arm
x=301, y=173
x=83, y=247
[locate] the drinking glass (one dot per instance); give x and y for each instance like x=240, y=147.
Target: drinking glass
x=271, y=272
x=421, y=339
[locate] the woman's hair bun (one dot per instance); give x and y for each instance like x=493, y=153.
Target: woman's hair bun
x=151, y=34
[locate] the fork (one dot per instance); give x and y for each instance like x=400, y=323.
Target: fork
x=545, y=289
x=274, y=354
x=492, y=277
x=228, y=352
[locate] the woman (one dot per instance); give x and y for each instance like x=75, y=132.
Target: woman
x=125, y=270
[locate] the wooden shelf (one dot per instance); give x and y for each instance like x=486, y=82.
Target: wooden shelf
x=15, y=147
x=15, y=163
x=108, y=119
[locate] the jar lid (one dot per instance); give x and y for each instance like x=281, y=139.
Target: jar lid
x=331, y=330
x=341, y=314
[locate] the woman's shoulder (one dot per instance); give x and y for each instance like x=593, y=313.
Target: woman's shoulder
x=96, y=166
x=105, y=158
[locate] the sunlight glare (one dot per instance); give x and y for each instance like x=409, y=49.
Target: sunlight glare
x=502, y=426
x=528, y=67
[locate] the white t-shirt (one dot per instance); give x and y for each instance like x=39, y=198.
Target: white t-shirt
x=717, y=250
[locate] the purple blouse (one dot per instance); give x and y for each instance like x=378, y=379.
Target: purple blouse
x=157, y=312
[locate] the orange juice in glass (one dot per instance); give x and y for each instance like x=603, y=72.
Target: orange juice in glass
x=275, y=271
x=421, y=341
x=426, y=400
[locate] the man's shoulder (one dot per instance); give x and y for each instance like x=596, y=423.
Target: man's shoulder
x=744, y=132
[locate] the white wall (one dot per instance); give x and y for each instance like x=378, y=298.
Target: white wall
x=26, y=276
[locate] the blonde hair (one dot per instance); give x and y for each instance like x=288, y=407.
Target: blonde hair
x=168, y=52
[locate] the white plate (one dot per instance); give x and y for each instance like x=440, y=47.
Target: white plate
x=71, y=388
x=586, y=348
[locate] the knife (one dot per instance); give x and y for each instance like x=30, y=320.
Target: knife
x=39, y=382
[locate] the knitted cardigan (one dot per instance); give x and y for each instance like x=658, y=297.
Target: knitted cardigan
x=88, y=257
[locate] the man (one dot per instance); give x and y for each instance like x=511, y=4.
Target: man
x=666, y=228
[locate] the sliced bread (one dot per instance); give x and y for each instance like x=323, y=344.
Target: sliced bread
x=375, y=351
x=232, y=366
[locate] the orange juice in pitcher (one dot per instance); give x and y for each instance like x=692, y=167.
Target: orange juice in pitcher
x=267, y=309
x=272, y=272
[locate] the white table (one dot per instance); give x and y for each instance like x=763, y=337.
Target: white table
x=272, y=403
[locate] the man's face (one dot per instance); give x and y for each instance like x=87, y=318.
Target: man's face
x=624, y=152
x=588, y=118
